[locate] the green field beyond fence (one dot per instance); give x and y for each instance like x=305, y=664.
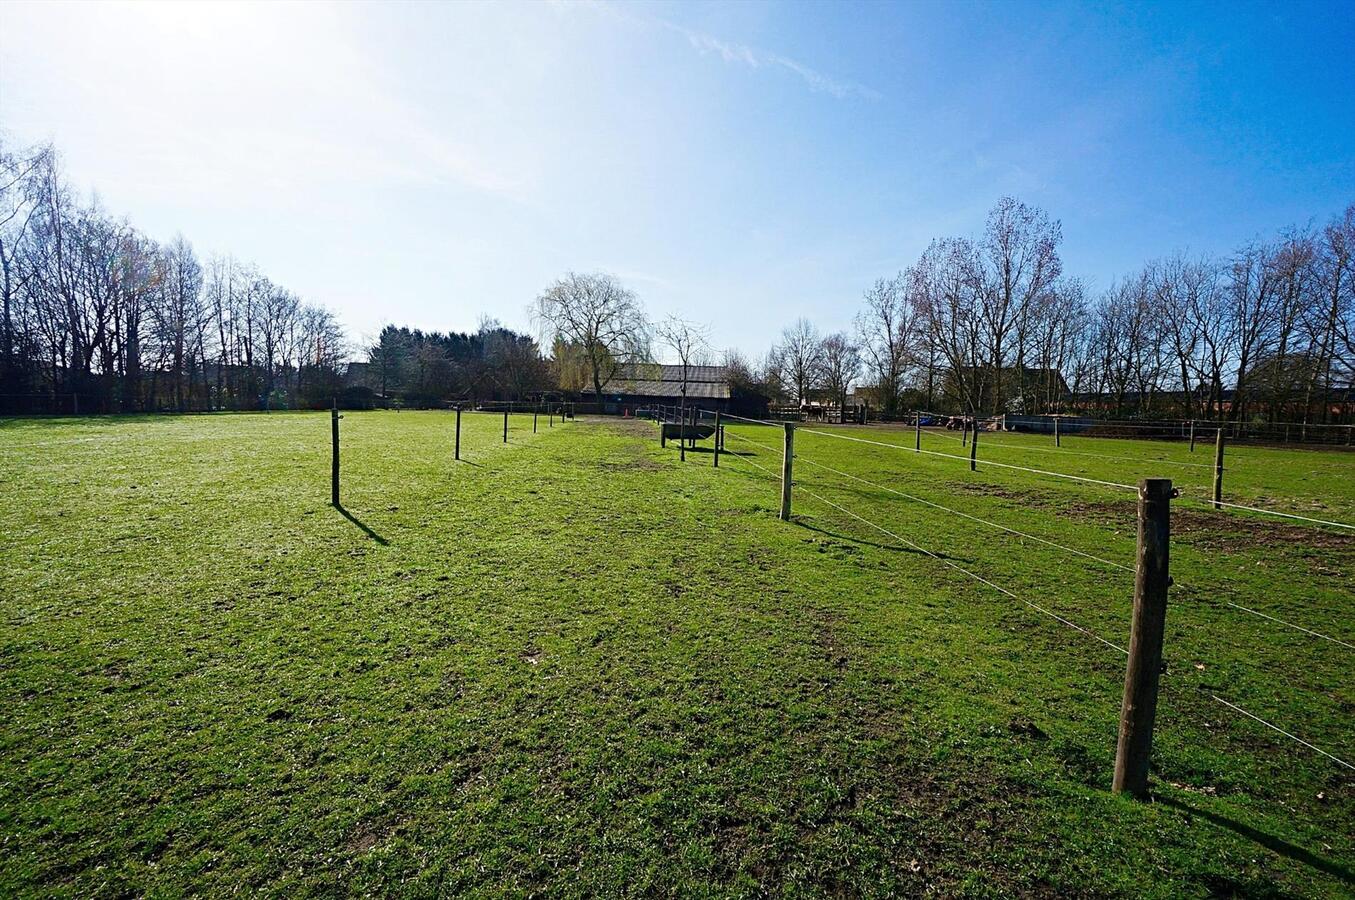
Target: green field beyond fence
x=572, y=665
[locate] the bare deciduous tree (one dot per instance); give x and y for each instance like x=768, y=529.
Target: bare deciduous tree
x=887, y=337
x=601, y=317
x=841, y=366
x=800, y=356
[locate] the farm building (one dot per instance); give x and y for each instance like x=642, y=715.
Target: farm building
x=643, y=385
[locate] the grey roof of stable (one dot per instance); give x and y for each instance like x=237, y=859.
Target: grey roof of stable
x=657, y=380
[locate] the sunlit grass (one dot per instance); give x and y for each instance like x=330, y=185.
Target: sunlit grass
x=571, y=666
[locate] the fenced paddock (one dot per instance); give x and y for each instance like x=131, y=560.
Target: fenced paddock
x=570, y=664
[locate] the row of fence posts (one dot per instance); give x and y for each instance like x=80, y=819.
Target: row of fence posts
x=334, y=418
x=1143, y=672
x=973, y=449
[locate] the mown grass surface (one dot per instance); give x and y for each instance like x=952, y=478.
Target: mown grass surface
x=572, y=666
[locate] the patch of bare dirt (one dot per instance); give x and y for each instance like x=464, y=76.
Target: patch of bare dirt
x=630, y=427
x=1207, y=528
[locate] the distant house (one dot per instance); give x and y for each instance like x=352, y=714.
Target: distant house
x=642, y=385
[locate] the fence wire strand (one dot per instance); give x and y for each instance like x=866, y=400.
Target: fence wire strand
x=1276, y=728
x=950, y=563
x=1073, y=625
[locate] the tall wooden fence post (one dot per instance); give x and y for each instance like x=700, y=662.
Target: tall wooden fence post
x=334, y=453
x=682, y=430
x=787, y=454
x=505, y=425
x=1144, y=669
x=1056, y=432
x=1192, y=435
x=917, y=431
x=1218, y=469
x=974, y=447
x=457, y=454
x=718, y=435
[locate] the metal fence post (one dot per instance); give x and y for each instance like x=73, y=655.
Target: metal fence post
x=505, y=425
x=1056, y=432
x=974, y=447
x=534, y=412
x=1218, y=470
x=717, y=439
x=1192, y=435
x=917, y=431
x=787, y=454
x=457, y=454
x=1144, y=669
x=334, y=453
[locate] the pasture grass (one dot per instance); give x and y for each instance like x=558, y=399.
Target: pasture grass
x=572, y=666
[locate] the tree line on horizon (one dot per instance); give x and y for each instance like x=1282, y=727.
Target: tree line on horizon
x=97, y=317
x=993, y=324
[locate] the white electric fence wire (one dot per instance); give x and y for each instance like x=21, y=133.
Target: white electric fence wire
x=1133, y=459
x=1073, y=550
x=1272, y=512
x=1290, y=624
x=986, y=462
x=904, y=494
x=1276, y=728
x=1114, y=484
x=1035, y=606
x=959, y=568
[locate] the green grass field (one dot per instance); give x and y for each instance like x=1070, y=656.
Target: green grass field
x=572, y=665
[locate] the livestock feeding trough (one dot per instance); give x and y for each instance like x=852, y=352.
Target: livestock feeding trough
x=671, y=426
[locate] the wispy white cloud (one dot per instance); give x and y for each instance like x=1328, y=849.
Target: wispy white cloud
x=742, y=54
x=734, y=52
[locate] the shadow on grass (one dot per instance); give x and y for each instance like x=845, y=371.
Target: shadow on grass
x=466, y=462
x=897, y=548
x=1269, y=841
x=358, y=522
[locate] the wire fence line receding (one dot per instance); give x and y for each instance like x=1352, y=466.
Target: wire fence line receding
x=1005, y=528
x=1000, y=588
x=1072, y=550
x=943, y=560
x=1065, y=475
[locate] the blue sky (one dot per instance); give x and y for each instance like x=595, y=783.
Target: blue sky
x=739, y=164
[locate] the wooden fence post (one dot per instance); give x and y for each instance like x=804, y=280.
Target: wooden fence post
x=717, y=439
x=787, y=454
x=1218, y=469
x=682, y=430
x=964, y=430
x=1144, y=669
x=334, y=453
x=534, y=412
x=917, y=431
x=1192, y=435
x=505, y=425
x=1056, y=432
x=974, y=447
x=457, y=455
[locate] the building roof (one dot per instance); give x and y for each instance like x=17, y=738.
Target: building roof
x=657, y=380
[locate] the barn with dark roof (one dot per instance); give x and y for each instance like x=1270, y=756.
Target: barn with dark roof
x=644, y=385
